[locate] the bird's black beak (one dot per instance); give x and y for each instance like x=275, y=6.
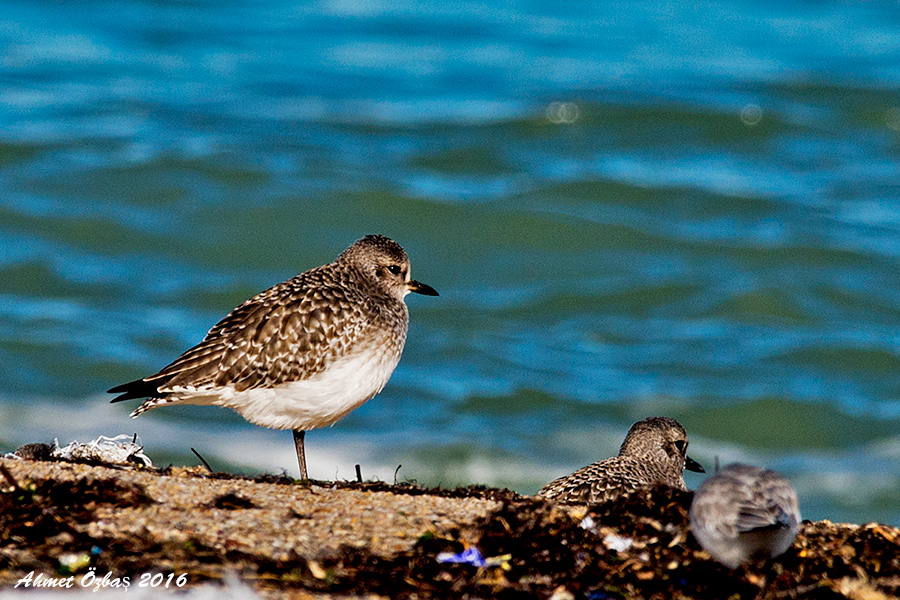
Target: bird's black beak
x=692, y=465
x=421, y=288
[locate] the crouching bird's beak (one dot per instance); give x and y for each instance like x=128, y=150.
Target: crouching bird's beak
x=421, y=288
x=692, y=465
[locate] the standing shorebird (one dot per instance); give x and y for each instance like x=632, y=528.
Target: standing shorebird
x=745, y=513
x=654, y=451
x=303, y=353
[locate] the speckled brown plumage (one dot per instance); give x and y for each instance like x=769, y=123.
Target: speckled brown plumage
x=654, y=451
x=303, y=353
x=287, y=333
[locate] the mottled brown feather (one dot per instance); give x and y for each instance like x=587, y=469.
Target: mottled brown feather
x=290, y=331
x=648, y=455
x=248, y=349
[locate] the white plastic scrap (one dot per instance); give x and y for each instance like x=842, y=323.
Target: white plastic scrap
x=119, y=450
x=617, y=542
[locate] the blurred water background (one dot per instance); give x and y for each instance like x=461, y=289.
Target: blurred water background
x=630, y=209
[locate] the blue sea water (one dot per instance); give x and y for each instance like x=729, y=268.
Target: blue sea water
x=629, y=208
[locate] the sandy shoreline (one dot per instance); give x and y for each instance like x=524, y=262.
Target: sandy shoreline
x=291, y=540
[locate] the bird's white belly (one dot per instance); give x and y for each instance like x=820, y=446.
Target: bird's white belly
x=320, y=400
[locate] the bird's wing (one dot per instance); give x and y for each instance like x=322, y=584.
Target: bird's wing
x=597, y=482
x=768, y=510
x=286, y=333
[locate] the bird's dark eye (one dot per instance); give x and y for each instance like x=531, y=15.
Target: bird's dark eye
x=395, y=269
x=681, y=445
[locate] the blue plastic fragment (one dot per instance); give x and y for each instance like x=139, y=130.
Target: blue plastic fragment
x=471, y=556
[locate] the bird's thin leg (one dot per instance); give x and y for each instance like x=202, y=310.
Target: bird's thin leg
x=301, y=453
